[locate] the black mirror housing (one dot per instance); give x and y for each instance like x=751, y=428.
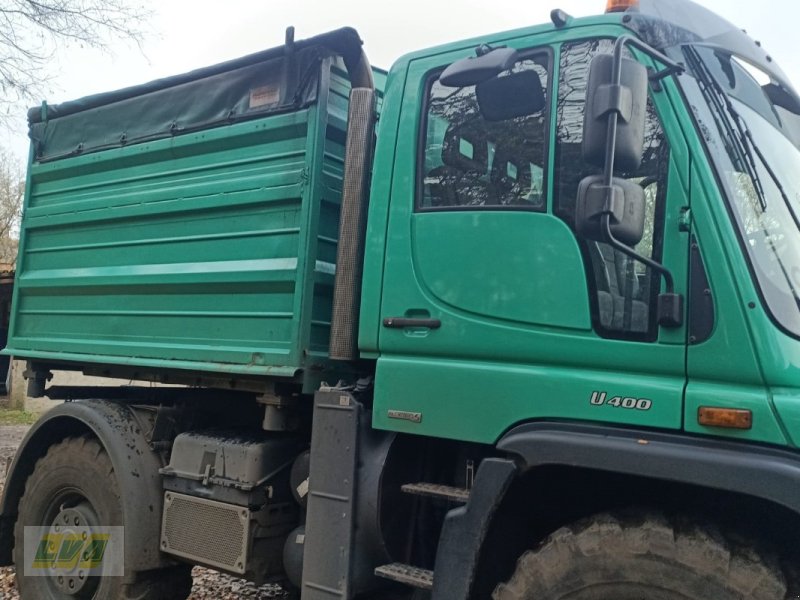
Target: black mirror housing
x=626, y=210
x=670, y=310
x=628, y=100
x=780, y=96
x=510, y=96
x=475, y=69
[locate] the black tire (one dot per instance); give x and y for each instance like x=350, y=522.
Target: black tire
x=77, y=472
x=641, y=558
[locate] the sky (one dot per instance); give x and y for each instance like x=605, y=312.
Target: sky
x=187, y=34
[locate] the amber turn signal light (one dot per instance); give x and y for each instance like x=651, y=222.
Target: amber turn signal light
x=620, y=5
x=728, y=418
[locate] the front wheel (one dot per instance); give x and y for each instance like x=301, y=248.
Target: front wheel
x=73, y=488
x=612, y=558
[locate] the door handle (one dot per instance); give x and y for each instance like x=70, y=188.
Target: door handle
x=403, y=322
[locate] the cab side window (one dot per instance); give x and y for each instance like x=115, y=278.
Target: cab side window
x=485, y=146
x=624, y=291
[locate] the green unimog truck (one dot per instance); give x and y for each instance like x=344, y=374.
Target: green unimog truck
x=519, y=319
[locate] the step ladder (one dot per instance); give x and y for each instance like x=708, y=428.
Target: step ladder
x=408, y=574
x=435, y=490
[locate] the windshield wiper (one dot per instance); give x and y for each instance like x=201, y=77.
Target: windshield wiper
x=749, y=146
x=775, y=179
x=737, y=139
x=747, y=135
x=746, y=143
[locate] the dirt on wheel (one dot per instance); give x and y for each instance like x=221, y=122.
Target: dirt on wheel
x=208, y=584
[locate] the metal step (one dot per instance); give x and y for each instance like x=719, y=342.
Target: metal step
x=406, y=574
x=434, y=490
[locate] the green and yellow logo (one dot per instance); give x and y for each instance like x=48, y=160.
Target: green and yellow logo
x=71, y=550
x=62, y=551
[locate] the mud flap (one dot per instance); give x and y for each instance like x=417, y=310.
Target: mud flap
x=465, y=530
x=327, y=556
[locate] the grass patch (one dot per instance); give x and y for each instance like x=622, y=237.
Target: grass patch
x=17, y=417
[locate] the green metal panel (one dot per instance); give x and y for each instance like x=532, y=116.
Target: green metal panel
x=517, y=286
x=212, y=251
x=478, y=400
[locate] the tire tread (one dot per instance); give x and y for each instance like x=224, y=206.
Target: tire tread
x=741, y=569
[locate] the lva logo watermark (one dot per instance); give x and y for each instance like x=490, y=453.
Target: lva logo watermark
x=73, y=554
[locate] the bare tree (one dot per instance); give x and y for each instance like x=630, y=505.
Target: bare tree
x=32, y=30
x=12, y=190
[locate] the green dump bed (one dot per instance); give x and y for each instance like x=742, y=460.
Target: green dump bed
x=188, y=224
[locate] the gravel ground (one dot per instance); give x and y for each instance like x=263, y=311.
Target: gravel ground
x=208, y=584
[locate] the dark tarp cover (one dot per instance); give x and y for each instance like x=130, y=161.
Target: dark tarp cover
x=275, y=80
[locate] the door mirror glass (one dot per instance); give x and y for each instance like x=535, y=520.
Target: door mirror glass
x=628, y=100
x=476, y=69
x=627, y=210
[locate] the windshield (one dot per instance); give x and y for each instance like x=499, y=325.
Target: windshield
x=753, y=143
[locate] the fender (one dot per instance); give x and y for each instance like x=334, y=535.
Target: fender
x=768, y=473
x=135, y=466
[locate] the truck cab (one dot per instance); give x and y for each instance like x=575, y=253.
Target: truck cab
x=561, y=320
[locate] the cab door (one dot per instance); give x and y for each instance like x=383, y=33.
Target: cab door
x=493, y=311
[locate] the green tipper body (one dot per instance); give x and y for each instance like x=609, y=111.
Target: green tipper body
x=200, y=238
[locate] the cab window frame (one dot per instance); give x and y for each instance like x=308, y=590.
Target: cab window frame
x=549, y=53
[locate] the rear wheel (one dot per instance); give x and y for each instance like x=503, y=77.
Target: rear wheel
x=73, y=489
x=636, y=558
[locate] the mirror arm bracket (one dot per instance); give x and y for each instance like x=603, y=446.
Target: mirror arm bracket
x=617, y=245
x=670, y=304
x=672, y=69
x=656, y=77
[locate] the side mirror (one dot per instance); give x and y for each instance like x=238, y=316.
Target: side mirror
x=513, y=95
x=780, y=96
x=628, y=100
x=475, y=69
x=609, y=209
x=626, y=210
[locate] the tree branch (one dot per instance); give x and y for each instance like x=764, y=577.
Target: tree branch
x=32, y=31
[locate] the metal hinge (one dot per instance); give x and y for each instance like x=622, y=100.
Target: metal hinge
x=305, y=178
x=685, y=219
